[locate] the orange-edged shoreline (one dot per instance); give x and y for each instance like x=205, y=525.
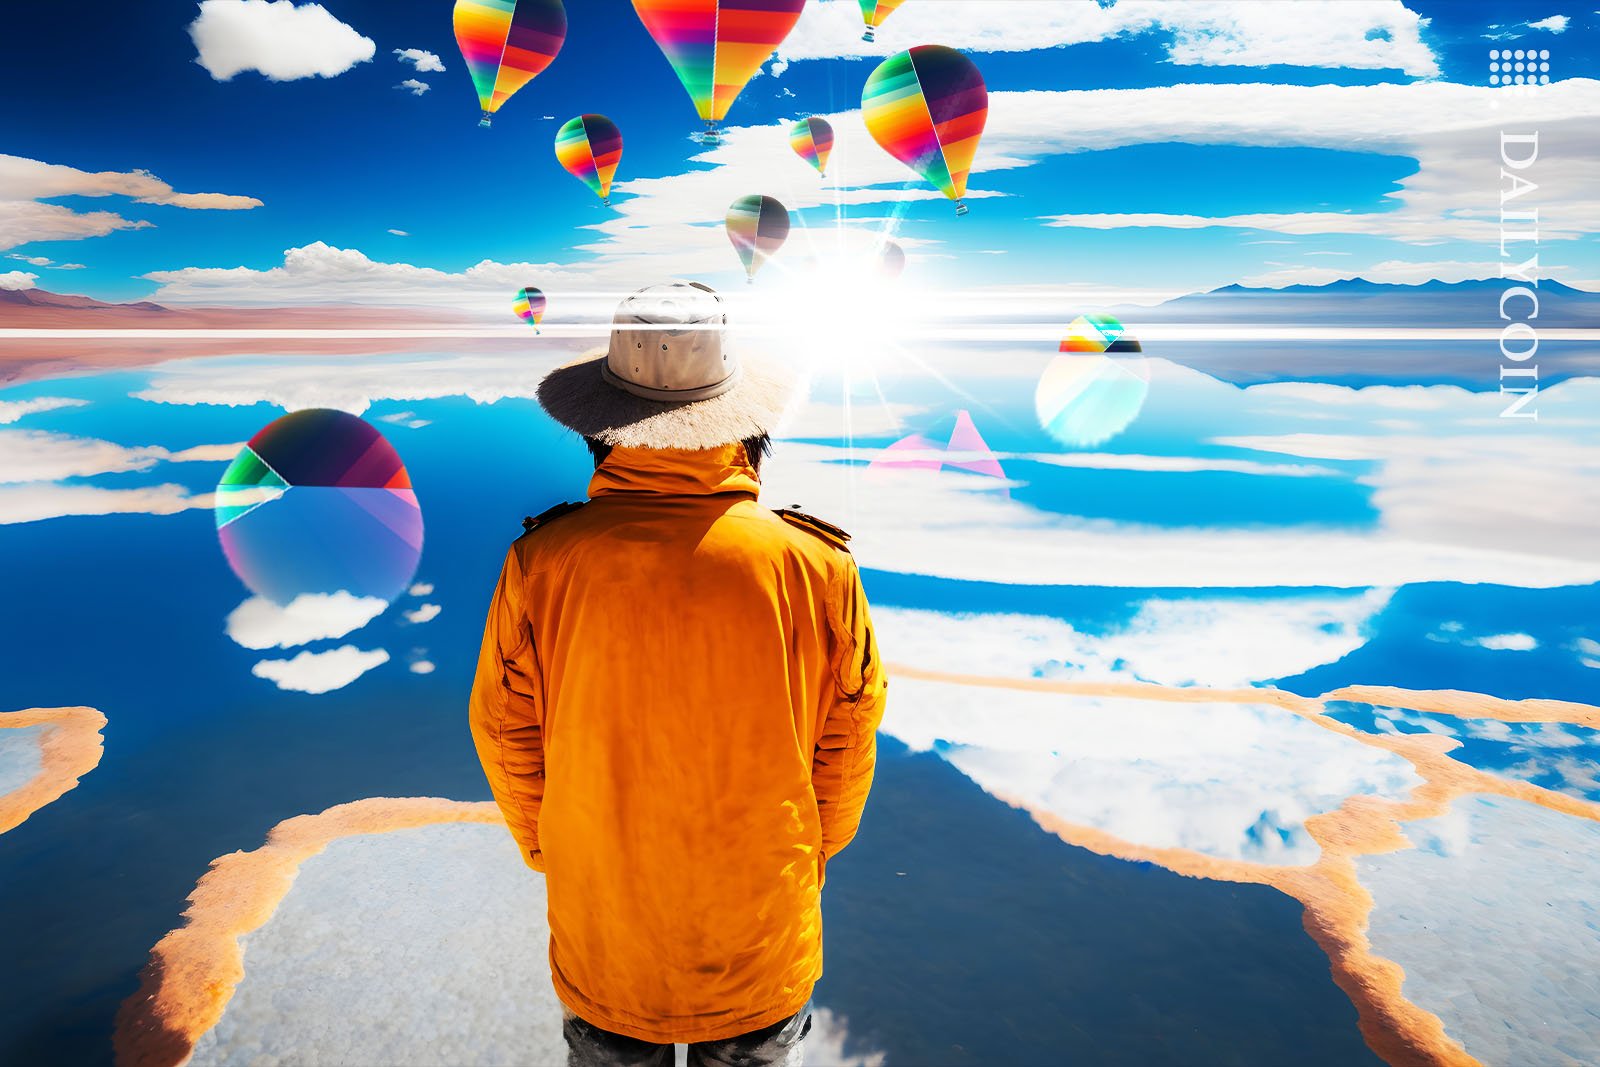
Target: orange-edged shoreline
x=1337, y=906
x=193, y=970
x=71, y=747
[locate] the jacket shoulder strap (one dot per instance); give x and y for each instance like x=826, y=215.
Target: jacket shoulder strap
x=815, y=526
x=533, y=522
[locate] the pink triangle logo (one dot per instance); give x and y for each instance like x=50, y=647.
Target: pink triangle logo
x=966, y=450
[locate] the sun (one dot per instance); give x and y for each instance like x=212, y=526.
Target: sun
x=835, y=309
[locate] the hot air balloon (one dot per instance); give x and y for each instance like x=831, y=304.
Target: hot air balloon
x=812, y=140
x=1099, y=333
x=1097, y=387
x=873, y=12
x=927, y=107
x=715, y=46
x=757, y=226
x=529, y=307
x=506, y=43
x=590, y=147
x=891, y=259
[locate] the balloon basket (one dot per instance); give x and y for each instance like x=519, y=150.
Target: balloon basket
x=711, y=135
x=485, y=120
x=870, y=35
x=606, y=200
x=961, y=207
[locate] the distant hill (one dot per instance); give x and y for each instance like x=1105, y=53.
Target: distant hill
x=42, y=298
x=1344, y=304
x=43, y=310
x=1358, y=302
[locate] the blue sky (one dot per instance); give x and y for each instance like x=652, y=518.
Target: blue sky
x=343, y=160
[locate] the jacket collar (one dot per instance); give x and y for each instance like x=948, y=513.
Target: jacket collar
x=675, y=472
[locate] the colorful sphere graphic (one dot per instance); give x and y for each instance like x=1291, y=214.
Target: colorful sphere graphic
x=1096, y=388
x=319, y=502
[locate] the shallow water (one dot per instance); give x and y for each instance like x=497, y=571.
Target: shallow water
x=1228, y=537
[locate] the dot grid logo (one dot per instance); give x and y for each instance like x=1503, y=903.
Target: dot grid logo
x=1521, y=70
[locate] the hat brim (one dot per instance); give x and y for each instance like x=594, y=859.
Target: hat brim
x=576, y=396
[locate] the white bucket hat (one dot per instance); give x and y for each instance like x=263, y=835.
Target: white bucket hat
x=668, y=378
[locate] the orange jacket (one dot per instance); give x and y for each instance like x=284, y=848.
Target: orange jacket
x=676, y=706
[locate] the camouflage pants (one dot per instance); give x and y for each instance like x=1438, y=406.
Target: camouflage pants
x=778, y=1045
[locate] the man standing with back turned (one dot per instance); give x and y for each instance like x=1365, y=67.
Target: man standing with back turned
x=676, y=704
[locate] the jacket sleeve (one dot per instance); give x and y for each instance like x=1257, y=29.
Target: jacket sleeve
x=507, y=712
x=847, y=746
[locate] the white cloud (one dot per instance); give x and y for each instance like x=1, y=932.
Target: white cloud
x=26, y=182
x=32, y=179
x=400, y=233
x=1555, y=24
x=1508, y=642
x=12, y=410
x=22, y=221
x=16, y=279
x=424, y=61
x=424, y=613
x=1442, y=126
x=261, y=623
x=421, y=589
x=44, y=261
x=647, y=234
x=1363, y=34
x=319, y=273
x=414, y=87
x=422, y=666
x=320, y=672
x=37, y=501
x=275, y=37
x=1235, y=781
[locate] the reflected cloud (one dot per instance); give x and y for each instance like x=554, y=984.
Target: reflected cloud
x=41, y=456
x=353, y=385
x=1233, y=781
x=425, y=613
x=261, y=623
x=1496, y=871
x=12, y=410
x=1213, y=641
x=40, y=501
x=320, y=672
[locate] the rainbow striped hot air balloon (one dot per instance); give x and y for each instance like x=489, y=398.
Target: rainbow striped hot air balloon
x=590, y=147
x=757, y=226
x=812, y=140
x=529, y=307
x=873, y=12
x=927, y=107
x=1097, y=387
x=506, y=43
x=716, y=46
x=1099, y=333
